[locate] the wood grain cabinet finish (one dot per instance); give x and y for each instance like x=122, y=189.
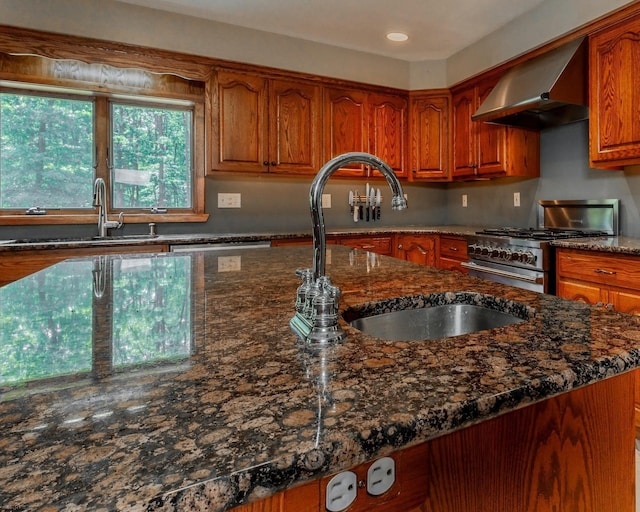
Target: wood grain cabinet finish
x=355, y=120
x=265, y=125
x=614, y=95
x=378, y=244
x=429, y=136
x=485, y=150
x=598, y=278
x=453, y=251
x=420, y=249
x=571, y=452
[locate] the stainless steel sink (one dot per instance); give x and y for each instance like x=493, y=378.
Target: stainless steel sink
x=428, y=317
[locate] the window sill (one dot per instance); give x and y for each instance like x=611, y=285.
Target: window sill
x=133, y=218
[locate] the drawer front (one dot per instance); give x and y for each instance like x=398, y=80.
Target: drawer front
x=453, y=247
x=621, y=270
x=380, y=244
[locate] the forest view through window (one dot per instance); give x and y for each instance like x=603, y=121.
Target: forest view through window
x=50, y=142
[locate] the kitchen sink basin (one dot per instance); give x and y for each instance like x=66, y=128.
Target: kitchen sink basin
x=434, y=316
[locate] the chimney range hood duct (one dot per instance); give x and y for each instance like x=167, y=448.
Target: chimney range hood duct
x=546, y=91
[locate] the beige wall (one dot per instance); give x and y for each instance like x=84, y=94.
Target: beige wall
x=112, y=20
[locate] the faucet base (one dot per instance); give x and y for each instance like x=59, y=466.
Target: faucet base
x=314, y=334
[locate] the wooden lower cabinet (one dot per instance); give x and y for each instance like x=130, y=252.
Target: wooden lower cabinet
x=421, y=249
x=453, y=251
x=15, y=265
x=378, y=244
x=571, y=452
x=599, y=278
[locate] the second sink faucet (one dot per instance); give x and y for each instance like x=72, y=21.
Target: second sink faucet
x=316, y=318
x=100, y=200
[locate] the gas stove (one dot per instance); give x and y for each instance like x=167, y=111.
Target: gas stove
x=524, y=257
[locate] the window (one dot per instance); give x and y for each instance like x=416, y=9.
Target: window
x=64, y=123
x=152, y=156
x=46, y=151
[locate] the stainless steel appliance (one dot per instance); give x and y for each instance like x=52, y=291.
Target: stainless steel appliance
x=524, y=257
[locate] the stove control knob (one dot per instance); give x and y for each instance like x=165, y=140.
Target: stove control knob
x=495, y=252
x=529, y=258
x=484, y=251
x=505, y=254
x=515, y=256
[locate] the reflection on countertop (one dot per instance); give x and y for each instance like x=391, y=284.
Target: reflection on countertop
x=147, y=382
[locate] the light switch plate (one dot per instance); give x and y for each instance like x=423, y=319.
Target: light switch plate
x=229, y=200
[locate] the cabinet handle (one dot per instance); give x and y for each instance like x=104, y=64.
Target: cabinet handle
x=422, y=251
x=603, y=271
x=368, y=246
x=399, y=246
x=454, y=249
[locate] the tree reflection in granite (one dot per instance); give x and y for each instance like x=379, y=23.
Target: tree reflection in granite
x=57, y=322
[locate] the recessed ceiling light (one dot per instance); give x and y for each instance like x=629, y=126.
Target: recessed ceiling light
x=397, y=36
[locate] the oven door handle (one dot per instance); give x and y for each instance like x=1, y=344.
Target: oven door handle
x=503, y=273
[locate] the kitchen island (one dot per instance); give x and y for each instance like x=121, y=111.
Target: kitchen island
x=172, y=381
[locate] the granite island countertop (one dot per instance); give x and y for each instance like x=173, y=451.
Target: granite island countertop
x=167, y=382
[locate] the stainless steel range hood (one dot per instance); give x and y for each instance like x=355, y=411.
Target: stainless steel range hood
x=548, y=90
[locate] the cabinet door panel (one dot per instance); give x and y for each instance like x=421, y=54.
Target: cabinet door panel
x=580, y=291
x=626, y=302
x=295, y=121
x=346, y=125
x=464, y=135
x=614, y=131
x=430, y=138
x=491, y=140
x=240, y=123
x=388, y=131
x=417, y=248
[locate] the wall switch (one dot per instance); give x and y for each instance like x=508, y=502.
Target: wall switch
x=326, y=200
x=229, y=200
x=516, y=199
x=342, y=490
x=464, y=200
x=229, y=263
x=381, y=476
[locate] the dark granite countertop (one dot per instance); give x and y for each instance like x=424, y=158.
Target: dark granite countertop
x=170, y=382
x=613, y=244
x=211, y=238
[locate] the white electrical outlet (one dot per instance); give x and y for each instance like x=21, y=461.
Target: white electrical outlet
x=326, y=200
x=381, y=476
x=229, y=263
x=516, y=199
x=341, y=491
x=464, y=200
x=229, y=200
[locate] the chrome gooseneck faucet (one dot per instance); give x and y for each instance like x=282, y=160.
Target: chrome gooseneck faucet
x=100, y=200
x=316, y=318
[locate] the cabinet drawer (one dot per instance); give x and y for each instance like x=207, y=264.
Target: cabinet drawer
x=620, y=270
x=453, y=247
x=379, y=244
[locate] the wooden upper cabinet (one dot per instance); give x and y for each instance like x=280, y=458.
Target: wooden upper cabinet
x=240, y=111
x=295, y=121
x=429, y=117
x=388, y=131
x=375, y=123
x=614, y=95
x=484, y=150
x=346, y=125
x=465, y=143
x=263, y=125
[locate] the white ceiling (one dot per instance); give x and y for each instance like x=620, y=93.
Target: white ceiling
x=437, y=29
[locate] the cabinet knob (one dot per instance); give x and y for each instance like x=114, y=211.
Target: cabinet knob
x=273, y=164
x=265, y=163
x=400, y=246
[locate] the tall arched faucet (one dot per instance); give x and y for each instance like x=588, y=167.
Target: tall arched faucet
x=316, y=318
